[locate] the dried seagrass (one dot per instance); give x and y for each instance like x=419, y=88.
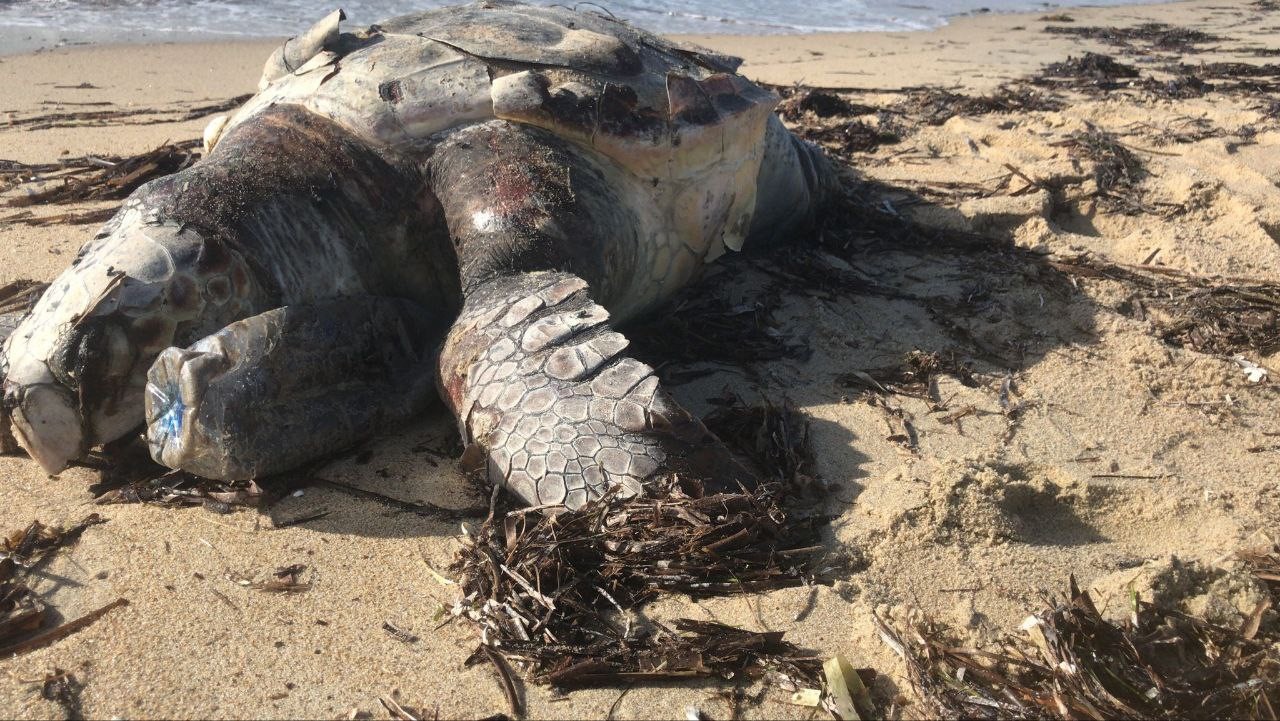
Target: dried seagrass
x=1158, y=36
x=935, y=106
x=111, y=178
x=23, y=552
x=554, y=592
x=1211, y=315
x=1073, y=663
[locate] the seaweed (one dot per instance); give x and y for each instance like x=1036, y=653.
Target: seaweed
x=1179, y=87
x=19, y=297
x=1264, y=563
x=1071, y=662
x=560, y=594
x=1229, y=77
x=127, y=116
x=1117, y=170
x=88, y=217
x=1089, y=71
x=1222, y=316
x=914, y=376
x=175, y=489
x=64, y=689
x=703, y=325
x=23, y=613
x=861, y=218
x=774, y=437
x=935, y=106
x=799, y=101
x=102, y=178
x=855, y=136
x=1157, y=36
x=555, y=592
x=34, y=545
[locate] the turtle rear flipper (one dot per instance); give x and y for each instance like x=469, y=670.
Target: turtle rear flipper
x=540, y=383
x=294, y=384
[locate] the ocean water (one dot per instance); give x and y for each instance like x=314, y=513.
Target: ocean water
x=71, y=21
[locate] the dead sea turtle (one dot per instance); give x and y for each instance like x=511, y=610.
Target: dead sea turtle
x=465, y=198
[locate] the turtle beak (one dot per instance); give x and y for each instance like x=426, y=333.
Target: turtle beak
x=46, y=423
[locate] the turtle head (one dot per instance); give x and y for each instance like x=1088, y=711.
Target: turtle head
x=76, y=367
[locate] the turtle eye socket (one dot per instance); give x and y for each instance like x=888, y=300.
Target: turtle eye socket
x=93, y=359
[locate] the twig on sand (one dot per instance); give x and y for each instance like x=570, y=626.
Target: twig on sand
x=57, y=633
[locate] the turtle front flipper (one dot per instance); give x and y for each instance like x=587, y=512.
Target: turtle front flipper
x=549, y=234
x=278, y=389
x=541, y=384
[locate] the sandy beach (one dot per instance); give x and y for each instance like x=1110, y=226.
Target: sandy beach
x=1089, y=439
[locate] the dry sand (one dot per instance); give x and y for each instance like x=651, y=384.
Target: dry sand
x=1129, y=451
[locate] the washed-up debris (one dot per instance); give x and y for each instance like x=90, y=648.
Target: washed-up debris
x=1091, y=70
x=846, y=689
x=125, y=116
x=1264, y=564
x=18, y=297
x=1096, y=72
x=703, y=325
x=402, y=713
x=915, y=375
x=1070, y=662
x=1226, y=77
x=179, y=488
x=1222, y=316
x=1179, y=87
x=1254, y=372
x=1157, y=36
x=64, y=689
x=1117, y=170
x=505, y=676
x=838, y=125
x=821, y=103
x=34, y=545
x=316, y=515
x=556, y=594
x=101, y=178
x=775, y=438
x=935, y=106
x=286, y=579
x=398, y=633
x=846, y=692
x=811, y=107
x=87, y=217
x=23, y=613
x=854, y=136
x=57, y=633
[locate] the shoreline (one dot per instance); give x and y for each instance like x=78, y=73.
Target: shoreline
x=979, y=51
x=21, y=40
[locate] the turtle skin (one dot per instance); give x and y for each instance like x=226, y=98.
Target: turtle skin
x=467, y=202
